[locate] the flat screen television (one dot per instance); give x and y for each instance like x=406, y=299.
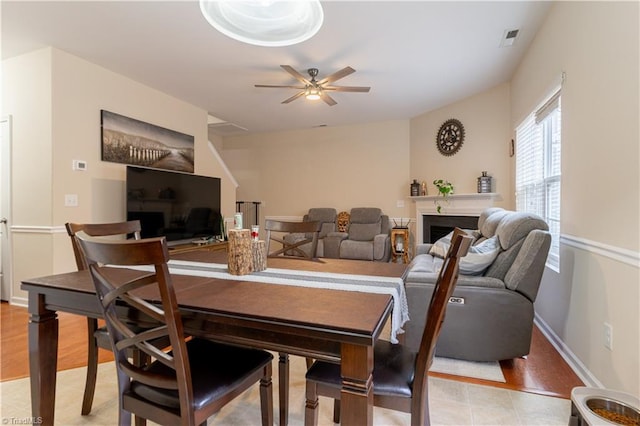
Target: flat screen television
x=180, y=206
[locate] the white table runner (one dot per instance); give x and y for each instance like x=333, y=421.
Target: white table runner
x=348, y=282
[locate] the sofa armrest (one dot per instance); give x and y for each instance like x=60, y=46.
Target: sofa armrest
x=332, y=244
x=492, y=323
x=381, y=247
x=525, y=273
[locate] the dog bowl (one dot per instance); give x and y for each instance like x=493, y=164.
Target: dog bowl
x=614, y=411
x=597, y=407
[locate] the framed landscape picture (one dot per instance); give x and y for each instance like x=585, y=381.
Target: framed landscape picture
x=129, y=141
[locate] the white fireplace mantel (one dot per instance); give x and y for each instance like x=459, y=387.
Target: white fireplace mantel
x=453, y=205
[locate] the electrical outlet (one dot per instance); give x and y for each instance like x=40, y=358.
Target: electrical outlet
x=79, y=165
x=71, y=200
x=608, y=336
x=400, y=203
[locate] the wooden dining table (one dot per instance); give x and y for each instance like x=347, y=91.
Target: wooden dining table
x=333, y=325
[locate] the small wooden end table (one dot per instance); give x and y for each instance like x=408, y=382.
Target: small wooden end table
x=398, y=250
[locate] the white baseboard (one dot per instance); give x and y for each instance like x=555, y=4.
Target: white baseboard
x=574, y=362
x=19, y=301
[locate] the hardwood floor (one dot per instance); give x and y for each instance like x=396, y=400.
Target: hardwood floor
x=543, y=371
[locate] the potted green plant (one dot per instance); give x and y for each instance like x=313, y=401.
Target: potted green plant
x=445, y=188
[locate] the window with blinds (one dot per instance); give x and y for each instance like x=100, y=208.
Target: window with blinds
x=538, y=144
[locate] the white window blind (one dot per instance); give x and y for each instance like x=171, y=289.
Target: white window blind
x=538, y=183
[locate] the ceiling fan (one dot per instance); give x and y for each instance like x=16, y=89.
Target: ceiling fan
x=313, y=89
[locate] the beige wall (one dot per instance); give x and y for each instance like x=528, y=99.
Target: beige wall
x=485, y=118
x=596, y=44
x=341, y=167
x=55, y=101
x=27, y=97
x=373, y=164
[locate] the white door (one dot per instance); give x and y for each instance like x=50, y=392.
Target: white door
x=5, y=209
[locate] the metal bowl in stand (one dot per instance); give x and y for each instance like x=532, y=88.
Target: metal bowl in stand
x=614, y=411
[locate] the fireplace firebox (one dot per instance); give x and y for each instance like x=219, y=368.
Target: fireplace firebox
x=435, y=227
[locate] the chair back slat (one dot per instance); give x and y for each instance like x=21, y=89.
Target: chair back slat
x=131, y=227
x=99, y=254
x=444, y=286
x=276, y=228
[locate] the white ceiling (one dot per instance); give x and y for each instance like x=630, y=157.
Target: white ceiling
x=416, y=55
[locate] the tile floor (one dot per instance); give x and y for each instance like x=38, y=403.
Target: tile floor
x=451, y=402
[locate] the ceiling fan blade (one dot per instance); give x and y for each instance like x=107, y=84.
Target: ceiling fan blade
x=337, y=75
x=293, y=98
x=279, y=87
x=327, y=99
x=347, y=88
x=296, y=74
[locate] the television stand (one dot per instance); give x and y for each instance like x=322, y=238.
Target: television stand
x=191, y=246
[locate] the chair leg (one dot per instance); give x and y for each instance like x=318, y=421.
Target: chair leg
x=311, y=404
x=92, y=366
x=283, y=391
x=336, y=411
x=140, y=359
x=266, y=397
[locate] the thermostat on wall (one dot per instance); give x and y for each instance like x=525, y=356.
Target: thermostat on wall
x=79, y=165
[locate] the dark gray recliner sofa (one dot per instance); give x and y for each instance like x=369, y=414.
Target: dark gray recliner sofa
x=496, y=320
x=367, y=237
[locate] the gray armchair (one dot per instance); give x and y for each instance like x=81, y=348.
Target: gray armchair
x=367, y=237
x=492, y=316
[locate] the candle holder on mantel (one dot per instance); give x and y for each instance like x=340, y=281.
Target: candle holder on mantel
x=415, y=188
x=484, y=184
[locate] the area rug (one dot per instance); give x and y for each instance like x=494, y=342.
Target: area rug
x=477, y=370
x=451, y=403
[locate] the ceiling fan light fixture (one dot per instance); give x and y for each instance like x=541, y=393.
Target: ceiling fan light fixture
x=312, y=93
x=271, y=23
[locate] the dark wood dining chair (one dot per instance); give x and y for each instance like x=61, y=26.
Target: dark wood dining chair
x=276, y=230
x=308, y=233
x=98, y=337
x=197, y=377
x=400, y=380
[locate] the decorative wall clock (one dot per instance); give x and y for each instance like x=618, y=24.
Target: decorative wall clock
x=450, y=137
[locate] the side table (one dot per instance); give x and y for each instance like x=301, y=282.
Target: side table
x=400, y=244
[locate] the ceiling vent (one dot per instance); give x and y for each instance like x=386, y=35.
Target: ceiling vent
x=226, y=129
x=509, y=38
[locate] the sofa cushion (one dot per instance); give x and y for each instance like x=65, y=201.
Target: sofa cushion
x=441, y=247
x=326, y=216
x=365, y=223
x=477, y=260
x=364, y=231
x=362, y=250
x=489, y=226
x=424, y=268
x=512, y=231
x=480, y=257
x=517, y=225
x=365, y=215
x=485, y=214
